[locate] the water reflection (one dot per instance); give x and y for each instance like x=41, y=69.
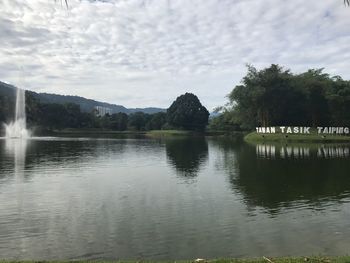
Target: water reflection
x=16, y=149
x=295, y=151
x=66, y=153
x=122, y=199
x=276, y=177
x=187, y=154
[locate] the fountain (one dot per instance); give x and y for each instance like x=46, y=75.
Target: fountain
x=17, y=128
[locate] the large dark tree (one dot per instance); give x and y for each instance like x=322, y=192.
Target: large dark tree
x=274, y=96
x=187, y=112
x=267, y=97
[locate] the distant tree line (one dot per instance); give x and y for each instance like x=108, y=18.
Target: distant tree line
x=186, y=113
x=272, y=96
x=275, y=96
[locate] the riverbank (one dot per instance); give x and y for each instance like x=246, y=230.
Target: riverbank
x=344, y=259
x=101, y=132
x=170, y=133
x=279, y=137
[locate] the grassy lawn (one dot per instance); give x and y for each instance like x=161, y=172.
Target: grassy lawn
x=279, y=137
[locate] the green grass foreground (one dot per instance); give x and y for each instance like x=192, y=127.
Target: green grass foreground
x=344, y=259
x=279, y=137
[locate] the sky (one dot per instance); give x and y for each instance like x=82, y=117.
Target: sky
x=142, y=53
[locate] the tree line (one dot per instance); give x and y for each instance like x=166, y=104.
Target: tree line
x=275, y=96
x=186, y=113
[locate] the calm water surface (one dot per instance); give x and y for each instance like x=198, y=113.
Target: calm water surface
x=179, y=198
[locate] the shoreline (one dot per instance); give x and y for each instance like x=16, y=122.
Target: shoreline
x=150, y=133
x=308, y=138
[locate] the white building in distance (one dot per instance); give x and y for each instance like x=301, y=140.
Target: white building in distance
x=102, y=111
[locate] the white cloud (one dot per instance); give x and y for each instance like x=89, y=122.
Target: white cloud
x=145, y=53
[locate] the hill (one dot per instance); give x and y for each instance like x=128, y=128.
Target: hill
x=86, y=105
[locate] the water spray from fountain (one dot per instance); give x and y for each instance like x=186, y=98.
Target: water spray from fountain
x=17, y=128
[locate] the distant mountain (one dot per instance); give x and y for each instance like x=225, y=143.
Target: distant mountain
x=6, y=89
x=86, y=105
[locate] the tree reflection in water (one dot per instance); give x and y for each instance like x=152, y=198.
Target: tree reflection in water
x=186, y=155
x=306, y=176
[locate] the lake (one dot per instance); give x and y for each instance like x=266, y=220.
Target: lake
x=174, y=198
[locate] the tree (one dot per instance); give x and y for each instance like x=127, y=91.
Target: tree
x=119, y=121
x=274, y=96
x=338, y=98
x=52, y=116
x=138, y=120
x=226, y=120
x=73, y=115
x=315, y=84
x=157, y=121
x=266, y=97
x=186, y=112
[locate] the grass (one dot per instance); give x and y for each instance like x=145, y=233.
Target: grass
x=344, y=259
x=166, y=133
x=279, y=137
x=172, y=133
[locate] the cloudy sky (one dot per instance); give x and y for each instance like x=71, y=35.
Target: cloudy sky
x=140, y=53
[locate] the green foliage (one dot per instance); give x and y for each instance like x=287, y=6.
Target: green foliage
x=6, y=109
x=54, y=116
x=57, y=116
x=119, y=121
x=274, y=96
x=138, y=121
x=7, y=102
x=157, y=121
x=225, y=121
x=186, y=112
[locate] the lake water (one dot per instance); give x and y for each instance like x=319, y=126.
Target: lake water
x=179, y=198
